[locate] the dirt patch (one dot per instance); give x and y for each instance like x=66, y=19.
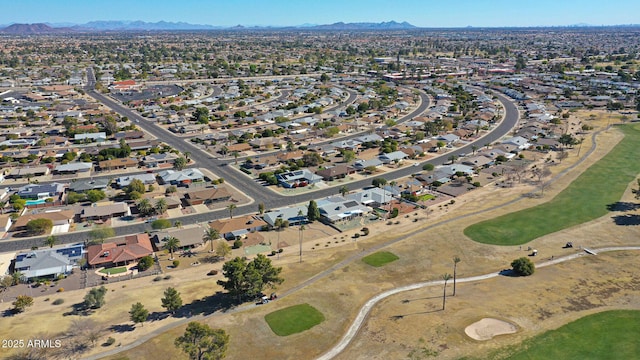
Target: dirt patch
x=488, y=328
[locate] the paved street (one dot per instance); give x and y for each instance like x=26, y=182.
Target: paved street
x=242, y=182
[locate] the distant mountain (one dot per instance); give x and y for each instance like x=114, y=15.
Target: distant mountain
x=27, y=29
x=389, y=25
x=142, y=25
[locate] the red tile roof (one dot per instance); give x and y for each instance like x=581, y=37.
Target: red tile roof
x=134, y=247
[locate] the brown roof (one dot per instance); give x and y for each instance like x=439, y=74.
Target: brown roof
x=208, y=194
x=104, y=210
x=132, y=248
x=333, y=171
x=226, y=226
x=56, y=217
x=118, y=162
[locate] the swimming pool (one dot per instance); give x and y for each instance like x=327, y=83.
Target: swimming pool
x=35, y=202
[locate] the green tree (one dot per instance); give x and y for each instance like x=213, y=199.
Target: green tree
x=161, y=206
x=445, y=277
x=201, y=115
x=313, y=212
x=50, y=241
x=180, y=163
x=348, y=156
x=343, y=190
x=95, y=195
x=247, y=280
x=523, y=266
x=261, y=208
x=378, y=182
x=161, y=224
x=21, y=303
x=145, y=263
x=171, y=300
x=324, y=77
x=223, y=249
x=172, y=244
x=200, y=342
x=210, y=234
x=135, y=185
x=138, y=314
x=39, y=226
x=94, y=299
x=99, y=235
x=428, y=167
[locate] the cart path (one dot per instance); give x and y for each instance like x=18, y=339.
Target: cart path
x=366, y=308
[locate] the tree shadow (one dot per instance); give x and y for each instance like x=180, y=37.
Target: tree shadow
x=206, y=306
x=122, y=328
x=627, y=220
x=211, y=259
x=623, y=206
x=402, y=316
x=9, y=313
x=509, y=273
x=158, y=315
x=79, y=309
x=406, y=301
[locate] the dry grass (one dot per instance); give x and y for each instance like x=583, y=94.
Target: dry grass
x=423, y=256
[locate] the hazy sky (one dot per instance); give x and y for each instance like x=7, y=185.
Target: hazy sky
x=423, y=13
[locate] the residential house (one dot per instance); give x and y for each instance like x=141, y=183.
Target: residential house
x=114, y=164
x=208, y=196
x=73, y=168
x=339, y=209
x=105, y=212
x=28, y=172
x=147, y=179
x=238, y=227
x=295, y=215
x=298, y=178
x=373, y=197
x=93, y=137
x=61, y=220
x=396, y=156
x=189, y=237
x=156, y=160
x=518, y=141
x=363, y=164
x=49, y=262
x=83, y=185
x=184, y=177
x=335, y=172
x=41, y=191
x=131, y=248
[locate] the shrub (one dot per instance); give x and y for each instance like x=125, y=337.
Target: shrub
x=280, y=250
x=273, y=252
x=237, y=244
x=212, y=272
x=157, y=278
x=168, y=277
x=145, y=262
x=365, y=231
x=110, y=341
x=394, y=212
x=176, y=263
x=356, y=235
x=523, y=266
x=58, y=302
x=60, y=290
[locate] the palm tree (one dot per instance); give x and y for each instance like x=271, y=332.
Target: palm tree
x=50, y=241
x=178, y=224
x=235, y=156
x=144, y=207
x=161, y=206
x=186, y=155
x=231, y=207
x=172, y=244
x=301, y=235
x=2, y=205
x=445, y=277
x=210, y=234
x=474, y=148
x=456, y=260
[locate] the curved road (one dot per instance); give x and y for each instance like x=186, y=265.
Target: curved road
x=239, y=180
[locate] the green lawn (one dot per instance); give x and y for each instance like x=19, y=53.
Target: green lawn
x=111, y=271
x=294, y=319
x=585, y=199
x=605, y=335
x=380, y=258
x=426, y=197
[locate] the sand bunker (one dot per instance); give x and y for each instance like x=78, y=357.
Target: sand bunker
x=487, y=328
